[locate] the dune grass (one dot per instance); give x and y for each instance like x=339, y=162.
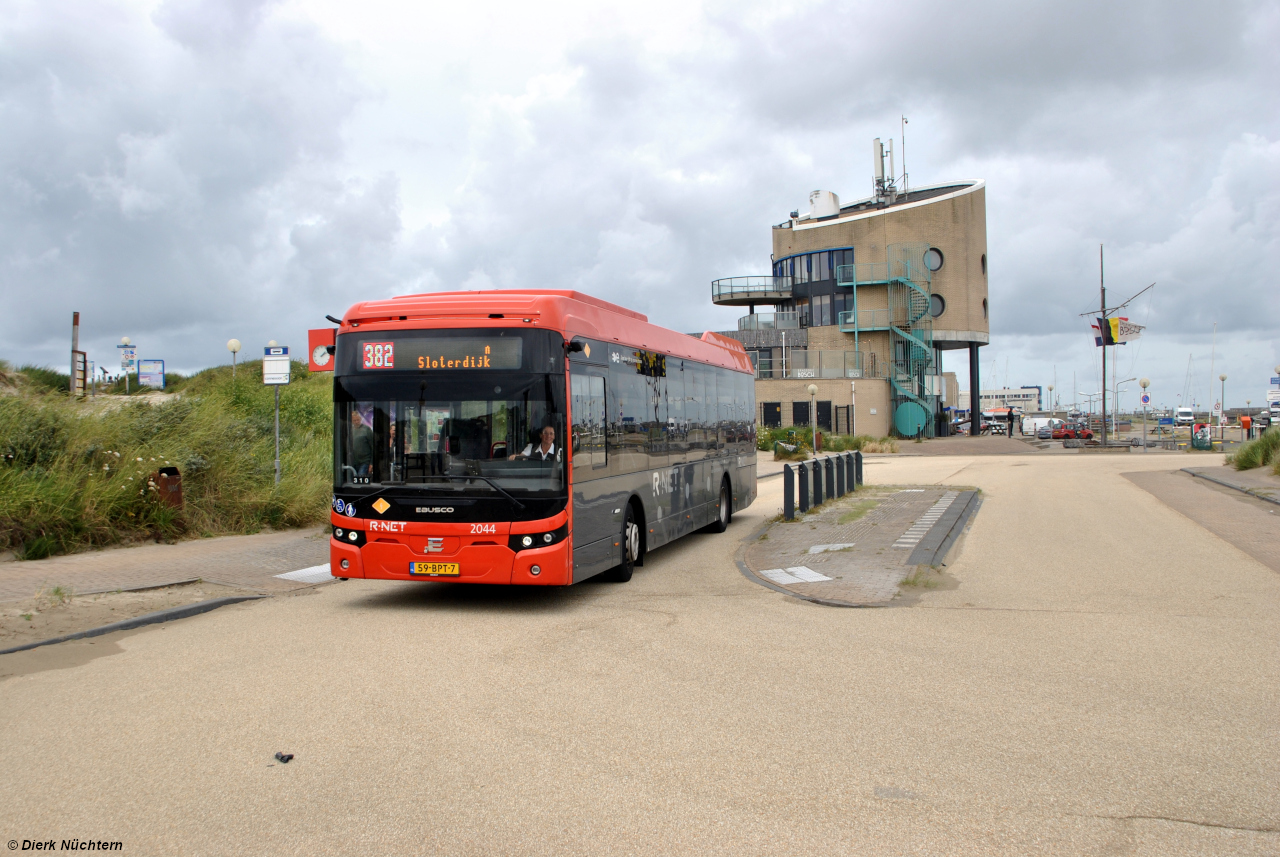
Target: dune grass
x=1262, y=451
x=76, y=473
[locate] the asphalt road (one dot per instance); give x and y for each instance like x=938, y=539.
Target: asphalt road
x=1102, y=681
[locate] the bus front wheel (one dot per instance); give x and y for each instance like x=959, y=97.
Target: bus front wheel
x=630, y=545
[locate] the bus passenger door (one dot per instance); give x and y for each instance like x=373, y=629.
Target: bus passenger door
x=595, y=527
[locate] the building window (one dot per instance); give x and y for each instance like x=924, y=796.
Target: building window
x=771, y=414
x=937, y=305
x=800, y=413
x=933, y=259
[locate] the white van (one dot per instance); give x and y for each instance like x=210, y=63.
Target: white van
x=1184, y=416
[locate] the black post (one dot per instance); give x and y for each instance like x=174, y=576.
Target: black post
x=857, y=468
x=975, y=393
x=849, y=478
x=788, y=493
x=840, y=473
x=817, y=482
x=803, y=471
x=830, y=467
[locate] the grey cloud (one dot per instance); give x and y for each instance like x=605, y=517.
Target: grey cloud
x=192, y=180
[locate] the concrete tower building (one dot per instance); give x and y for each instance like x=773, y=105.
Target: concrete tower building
x=864, y=299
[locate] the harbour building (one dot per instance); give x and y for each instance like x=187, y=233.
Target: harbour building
x=862, y=300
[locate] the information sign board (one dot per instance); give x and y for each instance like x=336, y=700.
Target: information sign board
x=1273, y=395
x=1275, y=379
x=1166, y=421
x=128, y=357
x=151, y=373
x=275, y=364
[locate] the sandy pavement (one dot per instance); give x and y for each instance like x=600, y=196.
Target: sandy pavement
x=1103, y=681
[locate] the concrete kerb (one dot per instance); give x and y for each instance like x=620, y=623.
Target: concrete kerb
x=153, y=618
x=1224, y=483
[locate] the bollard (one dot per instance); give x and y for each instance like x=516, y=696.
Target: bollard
x=803, y=472
x=857, y=467
x=840, y=474
x=830, y=467
x=817, y=482
x=788, y=493
x=848, y=472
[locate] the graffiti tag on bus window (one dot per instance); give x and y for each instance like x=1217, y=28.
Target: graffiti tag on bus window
x=379, y=355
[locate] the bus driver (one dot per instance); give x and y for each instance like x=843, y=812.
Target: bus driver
x=544, y=451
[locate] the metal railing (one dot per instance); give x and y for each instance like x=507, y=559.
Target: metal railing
x=868, y=319
x=747, y=288
x=812, y=364
x=770, y=321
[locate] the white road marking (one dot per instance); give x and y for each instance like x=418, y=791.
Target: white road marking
x=825, y=548
x=315, y=574
x=798, y=574
x=916, y=532
x=807, y=575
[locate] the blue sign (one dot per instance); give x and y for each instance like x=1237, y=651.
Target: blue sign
x=1275, y=379
x=275, y=351
x=1166, y=421
x=1146, y=399
x=151, y=373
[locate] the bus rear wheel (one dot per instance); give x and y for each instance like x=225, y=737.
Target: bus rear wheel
x=724, y=511
x=630, y=545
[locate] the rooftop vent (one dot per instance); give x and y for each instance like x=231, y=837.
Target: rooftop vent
x=823, y=203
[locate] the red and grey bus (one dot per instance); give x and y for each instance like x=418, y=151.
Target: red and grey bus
x=528, y=437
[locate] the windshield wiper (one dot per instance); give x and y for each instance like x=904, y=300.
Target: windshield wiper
x=494, y=485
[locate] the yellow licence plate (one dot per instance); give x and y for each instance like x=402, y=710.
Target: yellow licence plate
x=435, y=569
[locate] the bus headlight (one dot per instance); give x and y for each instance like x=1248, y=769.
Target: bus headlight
x=519, y=542
x=527, y=541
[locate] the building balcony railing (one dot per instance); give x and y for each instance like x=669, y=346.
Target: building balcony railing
x=868, y=319
x=741, y=291
x=813, y=364
x=879, y=273
x=770, y=321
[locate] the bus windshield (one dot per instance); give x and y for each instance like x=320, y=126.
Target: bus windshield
x=500, y=432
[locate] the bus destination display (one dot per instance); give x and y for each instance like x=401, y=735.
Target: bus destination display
x=441, y=353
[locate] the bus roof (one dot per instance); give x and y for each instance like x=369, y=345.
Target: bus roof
x=570, y=312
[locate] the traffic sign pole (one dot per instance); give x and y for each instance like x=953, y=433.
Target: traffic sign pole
x=275, y=371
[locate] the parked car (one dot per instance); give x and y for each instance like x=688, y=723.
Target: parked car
x=1072, y=431
x=1044, y=433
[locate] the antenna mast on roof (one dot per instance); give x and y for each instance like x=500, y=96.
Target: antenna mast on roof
x=886, y=189
x=905, y=188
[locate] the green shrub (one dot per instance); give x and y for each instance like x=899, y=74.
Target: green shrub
x=75, y=473
x=1259, y=452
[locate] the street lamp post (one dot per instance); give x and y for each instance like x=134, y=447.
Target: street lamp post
x=1053, y=411
x=233, y=345
x=124, y=340
x=813, y=416
x=1222, y=409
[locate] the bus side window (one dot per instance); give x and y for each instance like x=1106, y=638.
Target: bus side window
x=588, y=430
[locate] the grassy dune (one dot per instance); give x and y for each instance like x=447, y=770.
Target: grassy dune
x=75, y=473
x=1262, y=451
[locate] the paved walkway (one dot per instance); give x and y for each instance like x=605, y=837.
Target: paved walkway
x=246, y=562
x=1258, y=481
x=1249, y=524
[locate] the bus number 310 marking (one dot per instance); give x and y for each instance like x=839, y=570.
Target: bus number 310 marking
x=484, y=528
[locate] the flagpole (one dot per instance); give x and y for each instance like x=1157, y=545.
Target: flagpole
x=1102, y=288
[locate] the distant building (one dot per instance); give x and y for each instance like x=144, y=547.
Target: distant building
x=1025, y=399
x=867, y=294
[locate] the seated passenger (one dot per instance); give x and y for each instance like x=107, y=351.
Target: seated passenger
x=544, y=451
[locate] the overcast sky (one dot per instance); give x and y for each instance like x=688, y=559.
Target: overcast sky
x=188, y=171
